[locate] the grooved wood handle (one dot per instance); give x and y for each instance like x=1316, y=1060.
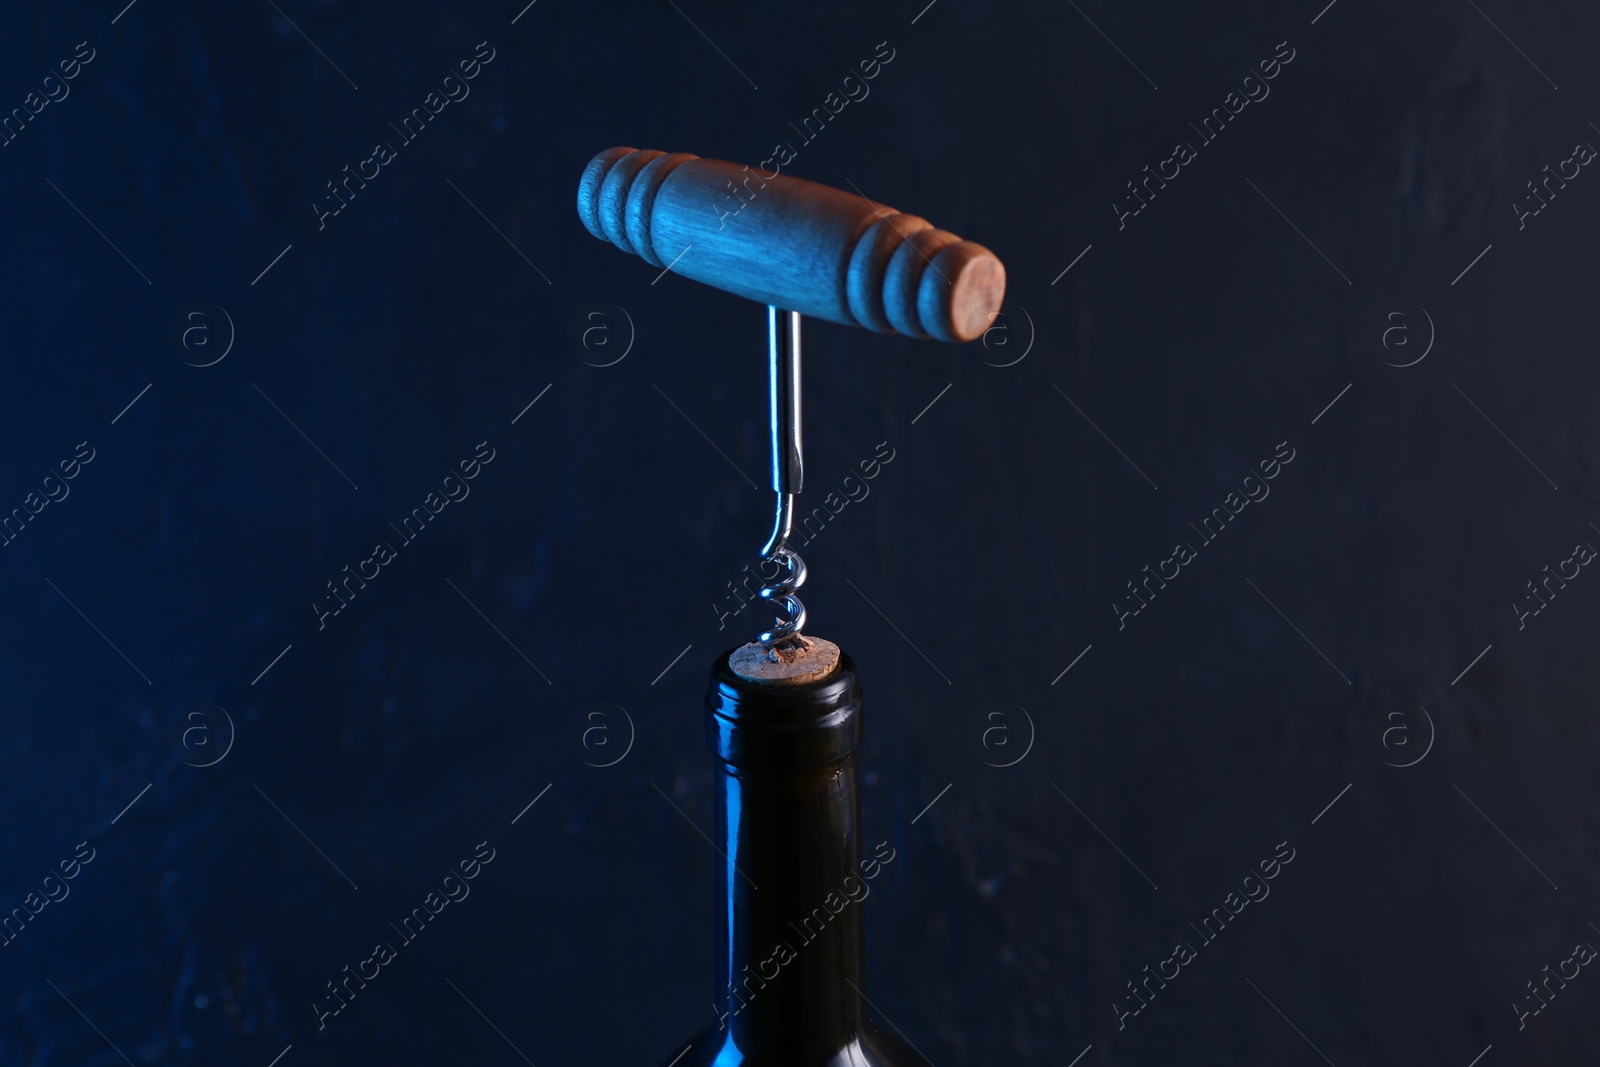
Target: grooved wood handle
x=792, y=243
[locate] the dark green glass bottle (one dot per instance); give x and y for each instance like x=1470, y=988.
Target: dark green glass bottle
x=789, y=936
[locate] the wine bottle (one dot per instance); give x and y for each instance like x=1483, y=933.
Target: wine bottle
x=789, y=936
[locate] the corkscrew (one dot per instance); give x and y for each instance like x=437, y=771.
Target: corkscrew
x=800, y=248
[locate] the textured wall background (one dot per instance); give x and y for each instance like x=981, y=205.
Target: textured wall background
x=1360, y=617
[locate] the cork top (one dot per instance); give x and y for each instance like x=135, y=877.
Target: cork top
x=812, y=660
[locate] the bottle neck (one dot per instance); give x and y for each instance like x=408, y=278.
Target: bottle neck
x=790, y=931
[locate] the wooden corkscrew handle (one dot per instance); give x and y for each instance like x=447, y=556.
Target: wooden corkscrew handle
x=792, y=243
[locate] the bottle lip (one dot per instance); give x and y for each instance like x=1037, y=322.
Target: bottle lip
x=792, y=727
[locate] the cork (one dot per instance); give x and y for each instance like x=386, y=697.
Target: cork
x=811, y=660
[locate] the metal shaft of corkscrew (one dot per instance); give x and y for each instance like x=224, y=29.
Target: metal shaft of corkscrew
x=788, y=473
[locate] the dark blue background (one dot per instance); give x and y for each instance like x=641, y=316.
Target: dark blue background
x=1196, y=338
